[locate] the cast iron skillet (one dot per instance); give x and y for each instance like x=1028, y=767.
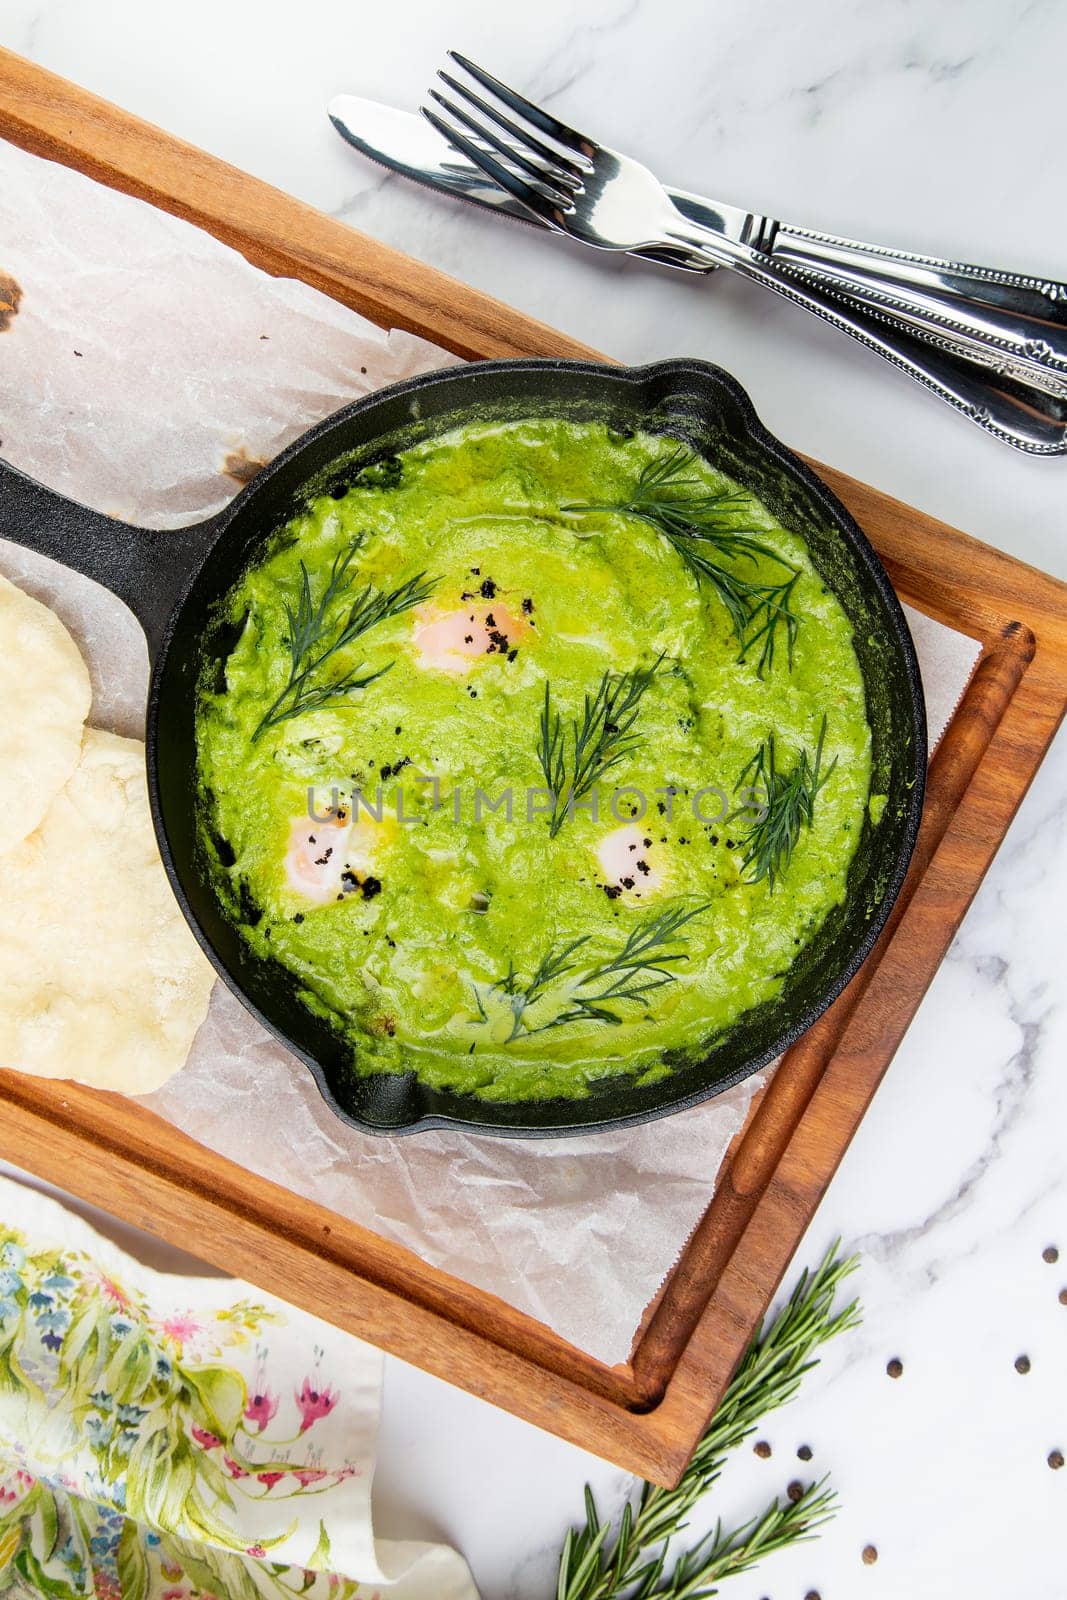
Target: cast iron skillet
x=174, y=581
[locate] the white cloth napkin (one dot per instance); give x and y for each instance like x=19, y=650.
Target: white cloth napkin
x=166, y=1436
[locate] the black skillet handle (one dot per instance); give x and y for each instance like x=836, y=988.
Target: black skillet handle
x=148, y=569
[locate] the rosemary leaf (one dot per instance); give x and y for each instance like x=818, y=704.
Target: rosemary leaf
x=634, y=1562
x=699, y=525
x=600, y=738
x=788, y=805
x=318, y=630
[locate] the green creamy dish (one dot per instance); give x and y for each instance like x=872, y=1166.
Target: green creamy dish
x=540, y=755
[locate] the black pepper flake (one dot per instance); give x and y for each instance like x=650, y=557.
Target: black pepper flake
x=612, y=890
x=397, y=730
x=488, y=589
x=648, y=844
x=299, y=917
x=512, y=654
x=627, y=883
x=477, y=571
x=468, y=638
x=527, y=605
x=371, y=887
x=643, y=866
x=473, y=693
x=715, y=838
x=490, y=620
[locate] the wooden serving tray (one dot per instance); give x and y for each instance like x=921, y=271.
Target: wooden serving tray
x=648, y=1414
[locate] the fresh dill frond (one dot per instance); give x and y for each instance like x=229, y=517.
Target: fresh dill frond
x=598, y=741
x=632, y=1555
x=643, y=963
x=318, y=630
x=786, y=803
x=698, y=525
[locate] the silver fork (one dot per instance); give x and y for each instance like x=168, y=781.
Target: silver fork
x=991, y=365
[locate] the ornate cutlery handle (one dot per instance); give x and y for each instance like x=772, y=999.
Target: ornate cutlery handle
x=1016, y=324
x=1029, y=417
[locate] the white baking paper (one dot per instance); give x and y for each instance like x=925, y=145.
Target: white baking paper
x=147, y=368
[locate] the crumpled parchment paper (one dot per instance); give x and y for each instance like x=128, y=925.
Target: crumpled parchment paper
x=147, y=369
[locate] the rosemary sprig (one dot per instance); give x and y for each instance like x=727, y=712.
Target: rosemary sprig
x=601, y=738
x=603, y=1562
x=696, y=523
x=642, y=964
x=317, y=632
x=787, y=806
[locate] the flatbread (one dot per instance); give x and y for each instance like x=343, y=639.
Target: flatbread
x=44, y=701
x=100, y=978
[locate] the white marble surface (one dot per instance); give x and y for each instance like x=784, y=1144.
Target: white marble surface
x=935, y=127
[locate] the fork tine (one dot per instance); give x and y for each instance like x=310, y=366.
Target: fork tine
x=557, y=184
x=543, y=120
x=519, y=188
x=555, y=158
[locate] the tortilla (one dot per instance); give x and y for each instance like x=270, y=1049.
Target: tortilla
x=45, y=697
x=100, y=978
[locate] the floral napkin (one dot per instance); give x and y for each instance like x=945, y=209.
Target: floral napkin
x=173, y=1438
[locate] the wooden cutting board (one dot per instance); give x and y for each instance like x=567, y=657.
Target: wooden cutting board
x=648, y=1414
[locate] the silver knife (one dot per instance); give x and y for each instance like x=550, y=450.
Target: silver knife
x=405, y=143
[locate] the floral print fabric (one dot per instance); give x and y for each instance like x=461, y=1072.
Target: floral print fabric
x=171, y=1438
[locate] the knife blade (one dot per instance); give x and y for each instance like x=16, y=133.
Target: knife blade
x=406, y=143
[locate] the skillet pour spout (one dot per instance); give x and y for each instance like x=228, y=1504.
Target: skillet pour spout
x=175, y=582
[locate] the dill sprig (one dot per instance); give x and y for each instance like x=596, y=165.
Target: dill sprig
x=696, y=522
x=604, y=1561
x=599, y=739
x=553, y=966
x=317, y=631
x=786, y=802
x=642, y=964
